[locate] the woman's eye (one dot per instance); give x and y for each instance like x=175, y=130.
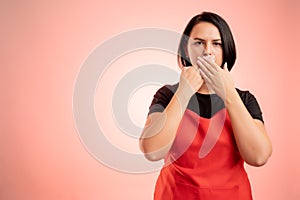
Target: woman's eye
x=199, y=43
x=217, y=44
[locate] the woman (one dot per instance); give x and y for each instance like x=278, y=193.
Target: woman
x=203, y=127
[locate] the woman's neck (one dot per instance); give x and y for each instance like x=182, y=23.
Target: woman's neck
x=204, y=90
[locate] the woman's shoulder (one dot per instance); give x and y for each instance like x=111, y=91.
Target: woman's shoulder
x=251, y=104
x=162, y=98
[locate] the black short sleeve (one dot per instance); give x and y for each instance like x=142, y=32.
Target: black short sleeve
x=251, y=104
x=162, y=98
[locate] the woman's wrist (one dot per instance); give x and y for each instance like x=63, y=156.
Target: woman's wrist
x=182, y=95
x=231, y=98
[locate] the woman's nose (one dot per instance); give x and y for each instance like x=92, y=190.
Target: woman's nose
x=207, y=50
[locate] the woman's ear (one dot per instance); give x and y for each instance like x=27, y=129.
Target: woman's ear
x=225, y=67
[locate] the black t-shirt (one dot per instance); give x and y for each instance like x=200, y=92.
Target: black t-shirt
x=205, y=105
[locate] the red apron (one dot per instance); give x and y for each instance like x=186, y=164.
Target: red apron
x=204, y=162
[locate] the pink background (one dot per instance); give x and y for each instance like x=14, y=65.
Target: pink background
x=42, y=48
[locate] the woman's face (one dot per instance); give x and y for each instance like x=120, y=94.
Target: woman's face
x=205, y=40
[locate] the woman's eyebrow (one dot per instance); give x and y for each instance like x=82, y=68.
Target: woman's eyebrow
x=215, y=40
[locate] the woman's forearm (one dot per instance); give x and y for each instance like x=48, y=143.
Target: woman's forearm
x=250, y=134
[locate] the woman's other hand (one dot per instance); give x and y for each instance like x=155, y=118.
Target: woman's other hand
x=217, y=80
